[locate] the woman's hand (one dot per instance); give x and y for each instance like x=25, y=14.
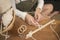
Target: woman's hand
x=38, y=16
x=30, y=20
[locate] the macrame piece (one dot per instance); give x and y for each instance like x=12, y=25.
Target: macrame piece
x=22, y=29
x=33, y=32
x=7, y=17
x=9, y=20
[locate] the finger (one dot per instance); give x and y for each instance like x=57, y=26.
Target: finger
x=30, y=23
x=38, y=18
x=35, y=16
x=34, y=22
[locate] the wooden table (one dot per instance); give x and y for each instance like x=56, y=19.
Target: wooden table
x=44, y=34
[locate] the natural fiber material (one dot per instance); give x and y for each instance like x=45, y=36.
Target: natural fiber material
x=44, y=34
x=7, y=17
x=10, y=25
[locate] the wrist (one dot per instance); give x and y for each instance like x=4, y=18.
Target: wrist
x=38, y=9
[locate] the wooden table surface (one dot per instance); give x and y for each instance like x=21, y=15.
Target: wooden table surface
x=44, y=34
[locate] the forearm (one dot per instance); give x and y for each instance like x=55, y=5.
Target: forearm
x=18, y=12
x=21, y=14
x=40, y=4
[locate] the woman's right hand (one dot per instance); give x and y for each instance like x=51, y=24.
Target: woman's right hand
x=30, y=20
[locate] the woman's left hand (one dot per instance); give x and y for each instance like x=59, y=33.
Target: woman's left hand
x=38, y=16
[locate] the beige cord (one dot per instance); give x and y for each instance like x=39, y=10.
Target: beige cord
x=39, y=29
x=5, y=35
x=55, y=32
x=22, y=29
x=33, y=38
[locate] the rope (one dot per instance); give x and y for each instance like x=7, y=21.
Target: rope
x=55, y=32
